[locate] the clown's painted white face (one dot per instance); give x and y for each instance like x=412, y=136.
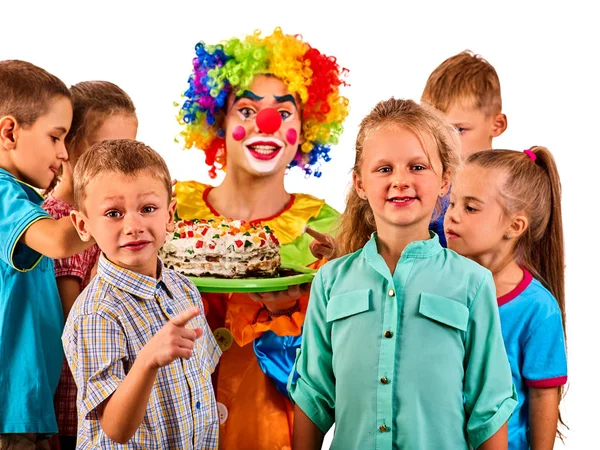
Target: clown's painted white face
x=262, y=128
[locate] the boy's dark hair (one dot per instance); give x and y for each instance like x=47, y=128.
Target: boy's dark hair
x=26, y=91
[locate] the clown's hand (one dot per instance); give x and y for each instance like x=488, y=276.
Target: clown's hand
x=282, y=302
x=323, y=245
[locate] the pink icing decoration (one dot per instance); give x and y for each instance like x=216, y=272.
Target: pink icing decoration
x=291, y=136
x=239, y=133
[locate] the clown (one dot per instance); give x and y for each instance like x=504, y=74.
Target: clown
x=257, y=107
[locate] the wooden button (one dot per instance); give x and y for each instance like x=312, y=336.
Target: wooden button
x=383, y=380
x=388, y=334
x=224, y=338
x=382, y=428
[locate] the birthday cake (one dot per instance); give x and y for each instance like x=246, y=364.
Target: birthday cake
x=220, y=248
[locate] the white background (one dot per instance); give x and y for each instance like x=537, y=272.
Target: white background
x=545, y=54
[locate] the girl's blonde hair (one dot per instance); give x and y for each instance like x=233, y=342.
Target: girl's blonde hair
x=531, y=185
x=358, y=221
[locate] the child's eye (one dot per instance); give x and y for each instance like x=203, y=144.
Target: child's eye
x=470, y=209
x=385, y=169
x=54, y=138
x=284, y=114
x=148, y=209
x=113, y=214
x=418, y=167
x=450, y=205
x=246, y=113
x=461, y=130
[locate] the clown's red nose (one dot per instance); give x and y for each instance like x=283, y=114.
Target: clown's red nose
x=268, y=120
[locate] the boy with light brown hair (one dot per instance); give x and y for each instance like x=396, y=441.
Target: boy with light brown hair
x=466, y=88
x=132, y=338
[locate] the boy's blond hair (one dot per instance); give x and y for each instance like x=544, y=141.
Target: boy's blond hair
x=26, y=91
x=464, y=77
x=124, y=156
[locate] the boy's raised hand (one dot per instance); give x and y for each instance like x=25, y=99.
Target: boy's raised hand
x=172, y=341
x=323, y=246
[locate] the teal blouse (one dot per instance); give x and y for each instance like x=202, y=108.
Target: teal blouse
x=409, y=360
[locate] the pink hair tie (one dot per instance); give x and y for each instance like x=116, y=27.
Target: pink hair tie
x=530, y=154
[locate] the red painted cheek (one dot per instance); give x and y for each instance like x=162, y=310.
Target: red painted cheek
x=239, y=133
x=291, y=136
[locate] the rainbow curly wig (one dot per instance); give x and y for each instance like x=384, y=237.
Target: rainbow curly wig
x=232, y=66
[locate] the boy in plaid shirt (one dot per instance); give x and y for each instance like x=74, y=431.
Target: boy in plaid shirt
x=142, y=375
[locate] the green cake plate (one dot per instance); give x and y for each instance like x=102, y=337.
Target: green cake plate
x=290, y=276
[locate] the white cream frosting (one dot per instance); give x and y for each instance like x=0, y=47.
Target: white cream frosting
x=221, y=248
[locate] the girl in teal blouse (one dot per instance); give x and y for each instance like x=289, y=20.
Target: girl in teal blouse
x=402, y=345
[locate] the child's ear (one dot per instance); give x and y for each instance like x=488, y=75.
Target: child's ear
x=445, y=187
x=7, y=132
x=79, y=221
x=171, y=222
x=519, y=224
x=499, y=125
x=358, y=186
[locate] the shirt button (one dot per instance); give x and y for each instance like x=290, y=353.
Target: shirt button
x=384, y=380
x=223, y=412
x=388, y=334
x=197, y=405
x=169, y=311
x=391, y=292
x=383, y=428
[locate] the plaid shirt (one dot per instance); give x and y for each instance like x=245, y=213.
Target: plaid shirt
x=109, y=324
x=79, y=266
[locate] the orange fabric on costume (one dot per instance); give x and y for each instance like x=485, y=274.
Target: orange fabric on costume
x=253, y=413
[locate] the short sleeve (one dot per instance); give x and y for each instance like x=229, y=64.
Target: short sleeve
x=544, y=353
x=490, y=397
x=74, y=266
x=95, y=348
x=312, y=383
x=17, y=213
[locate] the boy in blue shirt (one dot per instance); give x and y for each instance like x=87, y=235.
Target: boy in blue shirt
x=35, y=116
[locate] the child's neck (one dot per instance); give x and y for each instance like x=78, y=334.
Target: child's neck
x=505, y=270
x=245, y=197
x=146, y=268
x=391, y=242
x=64, y=190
